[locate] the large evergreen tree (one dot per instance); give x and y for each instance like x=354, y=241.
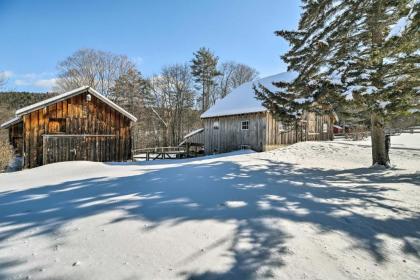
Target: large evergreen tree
x=130, y=91
x=204, y=70
x=361, y=51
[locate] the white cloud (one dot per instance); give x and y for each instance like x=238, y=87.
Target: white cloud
x=20, y=82
x=45, y=83
x=44, y=80
x=6, y=74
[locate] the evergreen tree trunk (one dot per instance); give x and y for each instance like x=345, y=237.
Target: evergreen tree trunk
x=206, y=96
x=379, y=152
x=203, y=104
x=379, y=148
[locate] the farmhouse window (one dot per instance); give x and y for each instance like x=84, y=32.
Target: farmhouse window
x=245, y=125
x=216, y=125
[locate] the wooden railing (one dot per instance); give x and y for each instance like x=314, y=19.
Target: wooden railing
x=159, y=153
x=158, y=150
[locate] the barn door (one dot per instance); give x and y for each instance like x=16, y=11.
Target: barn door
x=57, y=148
x=60, y=148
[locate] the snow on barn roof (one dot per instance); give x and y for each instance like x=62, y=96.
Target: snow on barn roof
x=74, y=92
x=11, y=122
x=192, y=133
x=242, y=99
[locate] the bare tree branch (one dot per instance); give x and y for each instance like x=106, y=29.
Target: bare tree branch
x=89, y=67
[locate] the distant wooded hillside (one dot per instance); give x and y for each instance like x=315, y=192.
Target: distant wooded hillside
x=11, y=101
x=16, y=100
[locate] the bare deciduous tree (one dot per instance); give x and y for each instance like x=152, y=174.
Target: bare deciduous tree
x=174, y=101
x=242, y=73
x=95, y=68
x=232, y=75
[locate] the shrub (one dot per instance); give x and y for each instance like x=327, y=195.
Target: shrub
x=6, y=154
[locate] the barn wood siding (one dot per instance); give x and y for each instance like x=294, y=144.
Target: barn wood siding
x=196, y=139
x=16, y=137
x=309, y=129
x=230, y=137
x=59, y=148
x=66, y=121
x=264, y=132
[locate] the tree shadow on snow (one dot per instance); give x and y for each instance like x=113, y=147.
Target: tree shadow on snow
x=267, y=190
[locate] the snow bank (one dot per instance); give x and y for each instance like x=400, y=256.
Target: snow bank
x=313, y=210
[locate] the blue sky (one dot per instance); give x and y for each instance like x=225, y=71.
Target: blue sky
x=35, y=35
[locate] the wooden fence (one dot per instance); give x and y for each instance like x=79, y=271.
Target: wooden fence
x=57, y=148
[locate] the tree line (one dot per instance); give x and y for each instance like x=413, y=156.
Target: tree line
x=167, y=104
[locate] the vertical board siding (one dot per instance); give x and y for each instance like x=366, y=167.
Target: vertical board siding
x=264, y=132
x=16, y=137
x=57, y=148
x=74, y=117
x=197, y=138
x=229, y=136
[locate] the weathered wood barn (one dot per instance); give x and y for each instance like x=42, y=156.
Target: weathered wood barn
x=239, y=121
x=78, y=125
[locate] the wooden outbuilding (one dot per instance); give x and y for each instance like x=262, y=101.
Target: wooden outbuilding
x=194, y=142
x=239, y=121
x=78, y=125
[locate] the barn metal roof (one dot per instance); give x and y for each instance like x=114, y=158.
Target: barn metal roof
x=11, y=122
x=63, y=96
x=242, y=100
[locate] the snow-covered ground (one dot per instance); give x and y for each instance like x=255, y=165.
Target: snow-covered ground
x=313, y=210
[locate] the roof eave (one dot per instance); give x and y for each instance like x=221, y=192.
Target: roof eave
x=232, y=114
x=11, y=122
x=112, y=104
x=42, y=104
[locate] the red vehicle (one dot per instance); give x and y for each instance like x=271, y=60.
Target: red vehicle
x=338, y=129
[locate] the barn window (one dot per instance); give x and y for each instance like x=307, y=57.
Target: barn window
x=216, y=125
x=245, y=125
x=57, y=125
x=325, y=128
